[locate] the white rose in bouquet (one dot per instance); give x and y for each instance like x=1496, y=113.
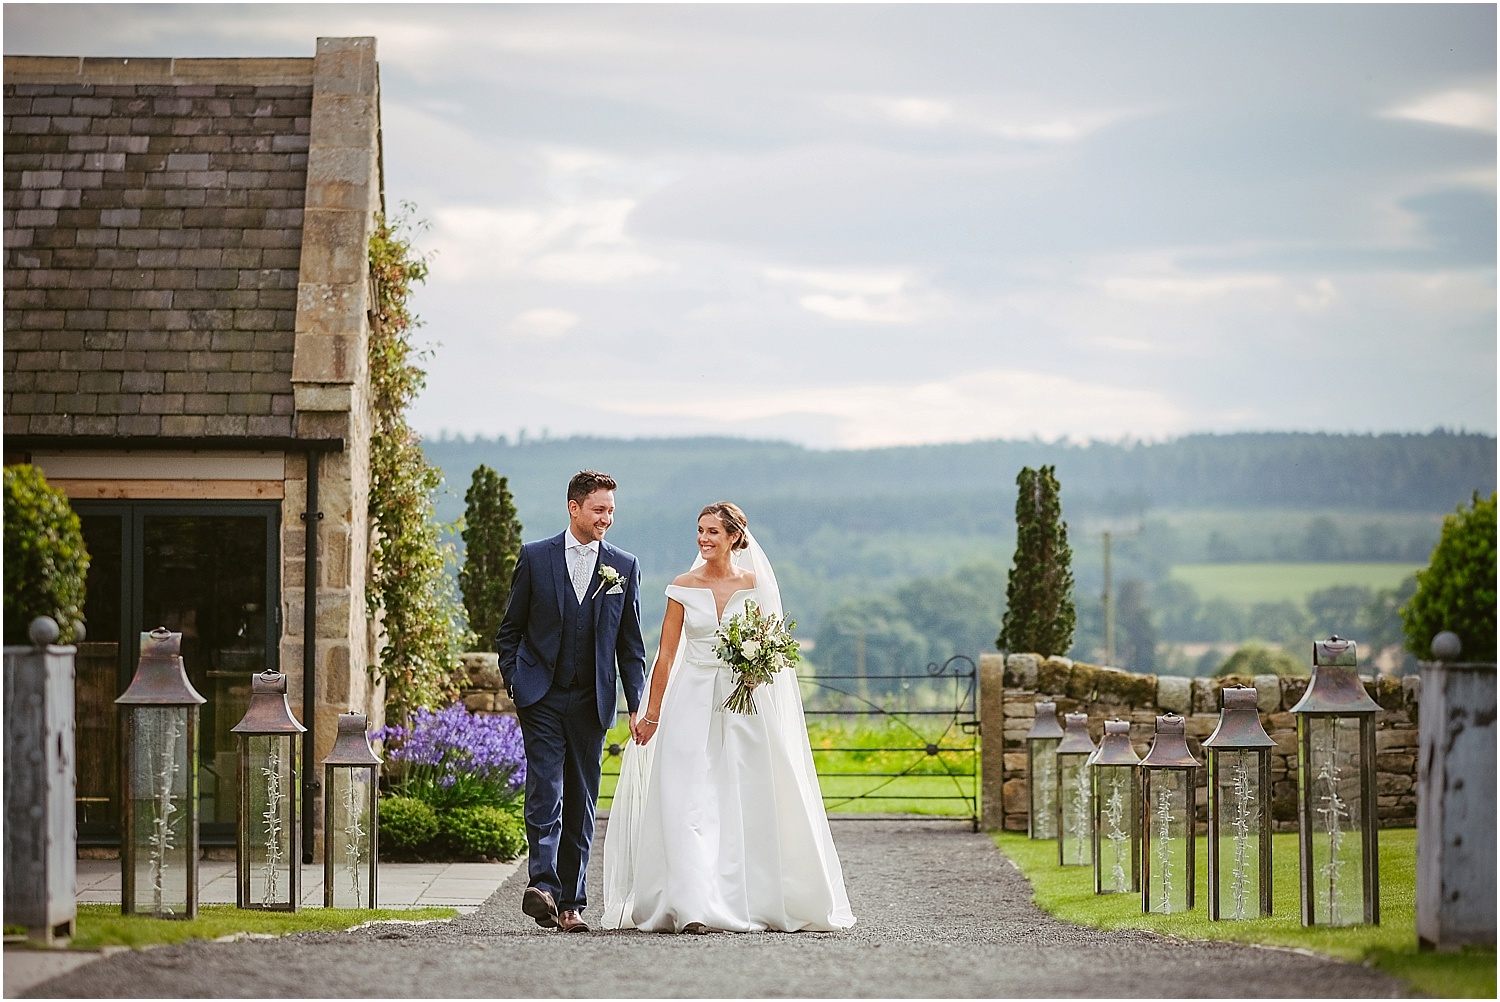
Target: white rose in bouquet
x=750, y=648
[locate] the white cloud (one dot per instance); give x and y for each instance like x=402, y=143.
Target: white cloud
x=877, y=297
x=1463, y=108
x=582, y=243
x=996, y=403
x=1019, y=120
x=1179, y=289
x=544, y=322
x=1322, y=295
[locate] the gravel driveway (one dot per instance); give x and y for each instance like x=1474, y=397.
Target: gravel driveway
x=941, y=911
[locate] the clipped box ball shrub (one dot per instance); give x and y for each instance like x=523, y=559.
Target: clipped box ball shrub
x=485, y=831
x=45, y=559
x=406, y=823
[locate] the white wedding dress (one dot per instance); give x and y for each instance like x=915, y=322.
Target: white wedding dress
x=719, y=818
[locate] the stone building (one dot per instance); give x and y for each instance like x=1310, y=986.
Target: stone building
x=187, y=298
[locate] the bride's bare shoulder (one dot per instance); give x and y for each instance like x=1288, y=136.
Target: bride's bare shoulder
x=688, y=579
x=747, y=580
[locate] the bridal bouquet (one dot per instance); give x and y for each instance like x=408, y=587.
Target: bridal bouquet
x=757, y=646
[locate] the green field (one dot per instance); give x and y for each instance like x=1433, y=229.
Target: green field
x=859, y=775
x=1272, y=582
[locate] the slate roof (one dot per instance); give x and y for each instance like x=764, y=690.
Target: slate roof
x=152, y=240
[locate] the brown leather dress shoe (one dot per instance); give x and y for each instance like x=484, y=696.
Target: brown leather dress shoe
x=539, y=905
x=571, y=921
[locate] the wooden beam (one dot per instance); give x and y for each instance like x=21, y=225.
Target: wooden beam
x=177, y=490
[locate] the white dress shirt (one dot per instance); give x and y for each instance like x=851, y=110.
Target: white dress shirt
x=582, y=558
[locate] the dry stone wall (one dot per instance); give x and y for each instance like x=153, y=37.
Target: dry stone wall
x=1023, y=680
x=485, y=693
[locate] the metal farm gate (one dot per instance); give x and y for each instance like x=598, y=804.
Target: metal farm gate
x=891, y=743
x=924, y=756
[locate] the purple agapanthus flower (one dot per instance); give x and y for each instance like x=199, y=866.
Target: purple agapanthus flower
x=456, y=744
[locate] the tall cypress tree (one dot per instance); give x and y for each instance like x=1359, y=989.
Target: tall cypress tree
x=1039, y=615
x=492, y=545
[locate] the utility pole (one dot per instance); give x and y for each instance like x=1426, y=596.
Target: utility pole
x=1109, y=607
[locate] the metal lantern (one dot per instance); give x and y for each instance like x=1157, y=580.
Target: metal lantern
x=267, y=855
x=159, y=816
x=1239, y=810
x=1336, y=791
x=1075, y=815
x=351, y=816
x=1169, y=776
x=1117, y=824
x=1041, y=771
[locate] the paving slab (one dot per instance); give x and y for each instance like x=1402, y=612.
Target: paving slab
x=942, y=913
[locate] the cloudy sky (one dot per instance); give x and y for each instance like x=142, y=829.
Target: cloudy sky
x=863, y=225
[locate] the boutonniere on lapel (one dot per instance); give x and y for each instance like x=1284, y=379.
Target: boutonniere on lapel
x=611, y=579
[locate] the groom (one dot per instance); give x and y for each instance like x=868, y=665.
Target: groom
x=574, y=614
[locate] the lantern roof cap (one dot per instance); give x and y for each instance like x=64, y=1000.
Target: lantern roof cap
x=268, y=712
x=1239, y=721
x=352, y=745
x=1335, y=687
x=1169, y=748
x=1076, y=738
x=1115, y=747
x=1045, y=724
x=160, y=676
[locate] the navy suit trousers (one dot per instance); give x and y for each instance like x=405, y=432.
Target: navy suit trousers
x=563, y=740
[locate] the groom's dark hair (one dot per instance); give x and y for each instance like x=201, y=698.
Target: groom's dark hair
x=586, y=482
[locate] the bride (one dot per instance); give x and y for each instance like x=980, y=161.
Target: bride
x=717, y=821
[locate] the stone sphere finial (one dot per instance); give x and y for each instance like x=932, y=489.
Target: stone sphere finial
x=1446, y=646
x=43, y=631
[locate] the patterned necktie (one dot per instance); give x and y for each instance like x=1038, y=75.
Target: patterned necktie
x=582, y=569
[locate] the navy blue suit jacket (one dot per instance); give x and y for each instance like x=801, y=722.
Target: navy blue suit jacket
x=530, y=635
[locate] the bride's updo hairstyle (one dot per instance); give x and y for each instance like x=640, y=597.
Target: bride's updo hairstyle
x=734, y=521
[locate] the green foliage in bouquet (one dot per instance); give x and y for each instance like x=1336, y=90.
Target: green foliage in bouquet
x=406, y=822
x=757, y=646
x=45, y=559
x=1457, y=590
x=485, y=831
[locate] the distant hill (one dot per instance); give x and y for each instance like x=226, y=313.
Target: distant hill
x=842, y=523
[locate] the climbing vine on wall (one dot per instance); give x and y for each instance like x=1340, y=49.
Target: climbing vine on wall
x=410, y=588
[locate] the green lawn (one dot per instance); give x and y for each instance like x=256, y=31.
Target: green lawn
x=103, y=925
x=851, y=767
x=1270, y=582
x=1391, y=946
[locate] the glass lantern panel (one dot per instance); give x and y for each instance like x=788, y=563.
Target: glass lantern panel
x=1169, y=802
x=1043, y=780
x=1075, y=840
x=1335, y=810
x=160, y=789
x=1238, y=796
x=270, y=785
x=348, y=839
x=1116, y=821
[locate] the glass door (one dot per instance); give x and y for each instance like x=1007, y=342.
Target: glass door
x=208, y=570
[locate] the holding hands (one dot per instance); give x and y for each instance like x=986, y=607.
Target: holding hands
x=643, y=728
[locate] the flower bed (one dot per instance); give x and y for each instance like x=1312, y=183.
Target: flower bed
x=455, y=781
